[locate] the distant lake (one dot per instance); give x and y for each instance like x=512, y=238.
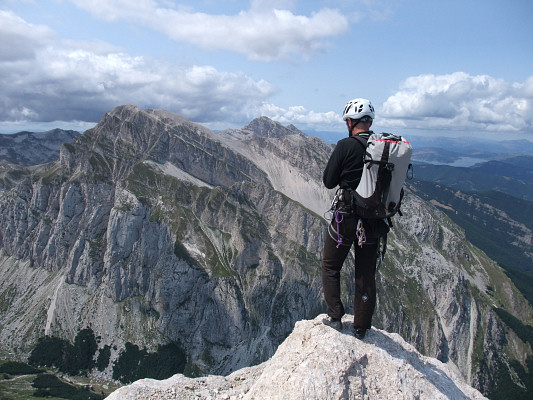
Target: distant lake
x=467, y=161
x=460, y=162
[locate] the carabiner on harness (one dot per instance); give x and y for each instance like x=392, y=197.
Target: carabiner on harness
x=382, y=248
x=360, y=233
x=334, y=203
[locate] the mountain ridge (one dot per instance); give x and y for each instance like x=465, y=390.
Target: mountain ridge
x=474, y=180
x=33, y=148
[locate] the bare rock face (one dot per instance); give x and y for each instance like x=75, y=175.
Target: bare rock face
x=317, y=362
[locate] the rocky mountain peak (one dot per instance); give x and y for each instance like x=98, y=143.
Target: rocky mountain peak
x=262, y=127
x=318, y=362
x=127, y=136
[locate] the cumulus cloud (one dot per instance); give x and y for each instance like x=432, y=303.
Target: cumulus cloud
x=52, y=80
x=46, y=78
x=18, y=37
x=259, y=33
x=461, y=101
x=303, y=118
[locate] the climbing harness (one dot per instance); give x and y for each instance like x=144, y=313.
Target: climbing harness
x=338, y=215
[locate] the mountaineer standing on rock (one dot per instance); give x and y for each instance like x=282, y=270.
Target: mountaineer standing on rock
x=344, y=169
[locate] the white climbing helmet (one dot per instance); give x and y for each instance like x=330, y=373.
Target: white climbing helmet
x=358, y=108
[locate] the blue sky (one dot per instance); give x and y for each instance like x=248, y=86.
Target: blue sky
x=429, y=67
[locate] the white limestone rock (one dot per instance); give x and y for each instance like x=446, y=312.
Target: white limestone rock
x=318, y=362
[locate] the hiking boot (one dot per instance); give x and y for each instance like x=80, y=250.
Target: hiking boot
x=359, y=333
x=333, y=322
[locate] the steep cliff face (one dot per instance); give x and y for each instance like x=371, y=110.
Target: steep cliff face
x=441, y=297
x=158, y=230
x=150, y=228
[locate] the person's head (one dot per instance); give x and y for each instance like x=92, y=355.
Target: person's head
x=358, y=114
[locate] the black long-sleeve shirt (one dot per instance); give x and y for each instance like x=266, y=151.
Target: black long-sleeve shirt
x=345, y=164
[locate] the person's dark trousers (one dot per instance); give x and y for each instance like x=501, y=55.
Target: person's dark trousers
x=365, y=274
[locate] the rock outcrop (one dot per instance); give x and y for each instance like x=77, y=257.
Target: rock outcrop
x=316, y=362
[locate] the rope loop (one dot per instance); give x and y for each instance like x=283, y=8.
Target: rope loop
x=338, y=221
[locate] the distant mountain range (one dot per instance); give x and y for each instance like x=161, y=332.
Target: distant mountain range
x=33, y=148
x=474, y=146
x=502, y=176
x=480, y=146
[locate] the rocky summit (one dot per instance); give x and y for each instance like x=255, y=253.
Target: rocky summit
x=152, y=230
x=317, y=362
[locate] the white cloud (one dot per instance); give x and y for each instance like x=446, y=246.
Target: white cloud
x=303, y=118
x=259, y=33
x=18, y=39
x=56, y=80
x=45, y=78
x=460, y=101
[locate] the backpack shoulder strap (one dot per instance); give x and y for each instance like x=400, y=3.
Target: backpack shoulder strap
x=361, y=140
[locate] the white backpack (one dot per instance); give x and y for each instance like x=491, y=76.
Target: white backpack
x=386, y=162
